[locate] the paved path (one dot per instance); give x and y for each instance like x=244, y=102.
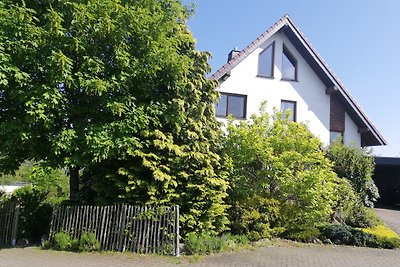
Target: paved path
x=289, y=255
x=391, y=218
x=286, y=254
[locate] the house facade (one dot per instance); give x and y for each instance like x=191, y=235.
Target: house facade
x=282, y=68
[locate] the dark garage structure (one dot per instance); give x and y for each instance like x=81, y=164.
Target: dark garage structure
x=387, y=179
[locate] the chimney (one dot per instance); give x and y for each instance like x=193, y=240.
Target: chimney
x=233, y=53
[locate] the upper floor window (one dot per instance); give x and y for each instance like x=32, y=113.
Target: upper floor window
x=266, y=62
x=289, y=66
x=288, y=107
x=231, y=104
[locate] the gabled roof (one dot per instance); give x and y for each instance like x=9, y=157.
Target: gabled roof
x=369, y=134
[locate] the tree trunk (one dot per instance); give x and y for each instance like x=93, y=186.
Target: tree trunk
x=74, y=184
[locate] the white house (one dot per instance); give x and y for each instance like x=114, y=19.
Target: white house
x=282, y=67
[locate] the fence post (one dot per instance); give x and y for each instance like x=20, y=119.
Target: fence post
x=176, y=226
x=15, y=224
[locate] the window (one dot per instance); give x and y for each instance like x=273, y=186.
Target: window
x=334, y=135
x=231, y=104
x=288, y=106
x=266, y=62
x=289, y=66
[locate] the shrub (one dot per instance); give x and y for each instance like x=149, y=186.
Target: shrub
x=362, y=217
x=384, y=237
x=35, y=213
x=207, y=244
x=282, y=162
x=357, y=166
x=381, y=231
x=63, y=241
x=255, y=218
x=304, y=234
x=346, y=235
x=89, y=242
x=384, y=242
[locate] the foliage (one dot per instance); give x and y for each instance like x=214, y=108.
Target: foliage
x=304, y=234
x=281, y=162
x=114, y=89
x=254, y=217
x=385, y=242
x=35, y=213
x=52, y=181
x=21, y=175
x=88, y=242
x=377, y=237
x=357, y=166
x=380, y=231
x=63, y=241
x=346, y=235
x=362, y=217
x=48, y=187
x=207, y=244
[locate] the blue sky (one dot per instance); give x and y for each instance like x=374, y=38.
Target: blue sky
x=360, y=41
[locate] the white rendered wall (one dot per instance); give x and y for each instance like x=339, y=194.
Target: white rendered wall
x=351, y=134
x=313, y=104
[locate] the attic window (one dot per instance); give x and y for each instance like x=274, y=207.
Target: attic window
x=231, y=104
x=289, y=66
x=266, y=62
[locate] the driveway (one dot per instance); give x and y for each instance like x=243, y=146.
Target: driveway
x=282, y=254
x=391, y=217
x=289, y=255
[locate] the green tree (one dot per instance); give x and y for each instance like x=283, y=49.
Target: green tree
x=280, y=179
x=357, y=165
x=115, y=90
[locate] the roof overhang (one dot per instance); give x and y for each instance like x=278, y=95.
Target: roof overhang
x=370, y=136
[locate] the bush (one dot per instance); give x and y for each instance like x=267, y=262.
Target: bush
x=384, y=237
x=255, y=218
x=281, y=162
x=89, y=242
x=346, y=235
x=362, y=217
x=384, y=242
x=357, y=166
x=63, y=241
x=207, y=244
x=304, y=234
x=35, y=213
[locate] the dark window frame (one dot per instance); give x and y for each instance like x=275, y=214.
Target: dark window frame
x=341, y=133
x=294, y=107
x=293, y=60
x=227, y=105
x=272, y=46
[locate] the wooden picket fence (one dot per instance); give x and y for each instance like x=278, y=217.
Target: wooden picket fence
x=122, y=227
x=9, y=214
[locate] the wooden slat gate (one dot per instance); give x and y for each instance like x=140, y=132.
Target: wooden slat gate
x=122, y=227
x=9, y=214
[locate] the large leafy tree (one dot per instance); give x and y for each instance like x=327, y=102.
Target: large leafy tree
x=113, y=89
